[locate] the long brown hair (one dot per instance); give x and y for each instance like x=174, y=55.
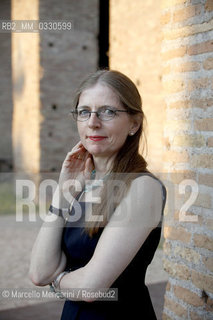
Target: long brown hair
x=128, y=161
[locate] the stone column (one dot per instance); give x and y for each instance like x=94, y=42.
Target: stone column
x=26, y=90
x=47, y=67
x=65, y=59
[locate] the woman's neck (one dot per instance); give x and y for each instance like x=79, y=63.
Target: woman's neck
x=103, y=165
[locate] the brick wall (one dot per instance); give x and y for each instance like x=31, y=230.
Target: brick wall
x=187, y=55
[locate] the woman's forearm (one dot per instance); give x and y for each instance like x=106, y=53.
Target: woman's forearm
x=46, y=253
x=47, y=258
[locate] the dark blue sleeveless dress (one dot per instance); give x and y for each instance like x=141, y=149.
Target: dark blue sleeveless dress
x=133, y=295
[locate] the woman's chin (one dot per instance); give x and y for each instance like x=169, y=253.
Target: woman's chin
x=97, y=152
x=92, y=148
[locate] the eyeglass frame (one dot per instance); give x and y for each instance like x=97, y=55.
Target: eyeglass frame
x=97, y=114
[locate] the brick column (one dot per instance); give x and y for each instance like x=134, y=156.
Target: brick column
x=187, y=53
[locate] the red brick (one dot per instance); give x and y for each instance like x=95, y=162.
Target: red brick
x=203, y=200
x=177, y=177
x=202, y=103
x=209, y=5
x=209, y=304
x=186, y=67
x=186, y=13
x=196, y=84
x=200, y=48
x=187, y=254
x=203, y=241
x=204, y=124
x=202, y=281
x=210, y=142
x=176, y=308
x=183, y=272
x=189, y=140
x=195, y=316
x=209, y=224
x=208, y=261
x=175, y=53
x=174, y=33
x=166, y=317
x=188, y=296
x=206, y=179
x=174, y=233
x=202, y=161
x=176, y=270
x=208, y=63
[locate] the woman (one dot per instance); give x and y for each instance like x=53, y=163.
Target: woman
x=114, y=223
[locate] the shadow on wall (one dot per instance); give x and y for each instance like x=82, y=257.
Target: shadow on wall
x=6, y=105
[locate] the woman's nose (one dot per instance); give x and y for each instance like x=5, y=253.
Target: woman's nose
x=94, y=121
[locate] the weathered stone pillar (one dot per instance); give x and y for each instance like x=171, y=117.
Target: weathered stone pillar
x=26, y=90
x=47, y=67
x=187, y=52
x=66, y=58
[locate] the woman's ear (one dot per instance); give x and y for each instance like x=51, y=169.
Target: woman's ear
x=136, y=122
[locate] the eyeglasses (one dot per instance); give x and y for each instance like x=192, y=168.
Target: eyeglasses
x=103, y=113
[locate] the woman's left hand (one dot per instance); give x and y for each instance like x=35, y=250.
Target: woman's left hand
x=77, y=166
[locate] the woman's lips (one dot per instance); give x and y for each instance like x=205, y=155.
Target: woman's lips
x=96, y=138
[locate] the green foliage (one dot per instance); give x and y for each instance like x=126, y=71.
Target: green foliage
x=7, y=198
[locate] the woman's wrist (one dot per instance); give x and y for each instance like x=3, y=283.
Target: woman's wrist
x=57, y=211
x=60, y=201
x=56, y=283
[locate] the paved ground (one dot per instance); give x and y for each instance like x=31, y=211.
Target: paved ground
x=16, y=242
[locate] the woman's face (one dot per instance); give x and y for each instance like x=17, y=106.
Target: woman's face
x=103, y=138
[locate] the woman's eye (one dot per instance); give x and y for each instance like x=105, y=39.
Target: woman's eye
x=108, y=112
x=83, y=112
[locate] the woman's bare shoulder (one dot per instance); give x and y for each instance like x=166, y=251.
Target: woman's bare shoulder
x=147, y=182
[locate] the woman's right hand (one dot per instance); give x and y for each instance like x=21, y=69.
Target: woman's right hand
x=77, y=165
